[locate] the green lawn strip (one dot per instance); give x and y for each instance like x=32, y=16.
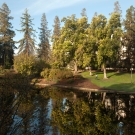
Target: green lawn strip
x=116, y=81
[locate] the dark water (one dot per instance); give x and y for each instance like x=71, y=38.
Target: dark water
x=56, y=111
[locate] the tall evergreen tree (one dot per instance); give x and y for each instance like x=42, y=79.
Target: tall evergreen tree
x=56, y=30
x=83, y=13
x=55, y=38
x=44, y=46
x=27, y=43
x=7, y=44
x=117, y=8
x=129, y=37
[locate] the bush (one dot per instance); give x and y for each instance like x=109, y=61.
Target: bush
x=25, y=64
x=56, y=74
x=40, y=65
x=45, y=73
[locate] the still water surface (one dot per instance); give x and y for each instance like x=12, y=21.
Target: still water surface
x=57, y=111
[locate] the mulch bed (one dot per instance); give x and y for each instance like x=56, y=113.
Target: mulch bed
x=77, y=81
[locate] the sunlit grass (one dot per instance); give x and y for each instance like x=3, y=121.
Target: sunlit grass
x=115, y=81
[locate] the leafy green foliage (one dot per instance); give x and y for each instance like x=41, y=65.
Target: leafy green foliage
x=56, y=74
x=45, y=73
x=29, y=65
x=25, y=64
x=70, y=44
x=40, y=65
x=109, y=42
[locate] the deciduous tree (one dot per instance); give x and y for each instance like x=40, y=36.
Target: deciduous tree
x=110, y=43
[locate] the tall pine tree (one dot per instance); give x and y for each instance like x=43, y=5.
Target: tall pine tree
x=117, y=8
x=55, y=39
x=83, y=13
x=56, y=30
x=6, y=37
x=44, y=46
x=27, y=43
x=129, y=37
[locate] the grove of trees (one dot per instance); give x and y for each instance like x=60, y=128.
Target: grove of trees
x=102, y=42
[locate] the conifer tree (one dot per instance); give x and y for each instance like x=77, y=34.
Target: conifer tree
x=7, y=44
x=44, y=46
x=117, y=8
x=55, y=39
x=56, y=30
x=27, y=43
x=129, y=37
x=83, y=13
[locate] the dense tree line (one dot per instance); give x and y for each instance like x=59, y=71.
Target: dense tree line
x=104, y=42
x=99, y=44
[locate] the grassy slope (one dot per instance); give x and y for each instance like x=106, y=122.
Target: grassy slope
x=115, y=81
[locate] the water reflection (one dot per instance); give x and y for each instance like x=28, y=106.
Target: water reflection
x=89, y=113
x=33, y=113
x=55, y=111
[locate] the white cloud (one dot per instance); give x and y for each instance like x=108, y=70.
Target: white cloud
x=41, y=6
x=37, y=7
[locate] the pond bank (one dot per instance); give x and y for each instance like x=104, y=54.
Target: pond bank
x=83, y=88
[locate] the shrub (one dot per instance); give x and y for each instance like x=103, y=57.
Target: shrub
x=40, y=65
x=25, y=64
x=56, y=74
x=45, y=73
x=68, y=73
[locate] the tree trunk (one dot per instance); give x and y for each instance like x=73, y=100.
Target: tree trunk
x=104, y=70
x=75, y=67
x=104, y=95
x=90, y=71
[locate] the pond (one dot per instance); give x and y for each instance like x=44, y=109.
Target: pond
x=58, y=111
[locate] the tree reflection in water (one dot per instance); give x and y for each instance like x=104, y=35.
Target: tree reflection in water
x=90, y=113
x=25, y=111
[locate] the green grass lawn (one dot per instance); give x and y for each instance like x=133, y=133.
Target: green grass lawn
x=116, y=81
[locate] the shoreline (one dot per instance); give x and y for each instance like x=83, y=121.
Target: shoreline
x=84, y=89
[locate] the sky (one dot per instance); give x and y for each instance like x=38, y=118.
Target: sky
x=60, y=8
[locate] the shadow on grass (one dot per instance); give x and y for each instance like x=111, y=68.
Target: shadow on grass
x=112, y=75
x=109, y=76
